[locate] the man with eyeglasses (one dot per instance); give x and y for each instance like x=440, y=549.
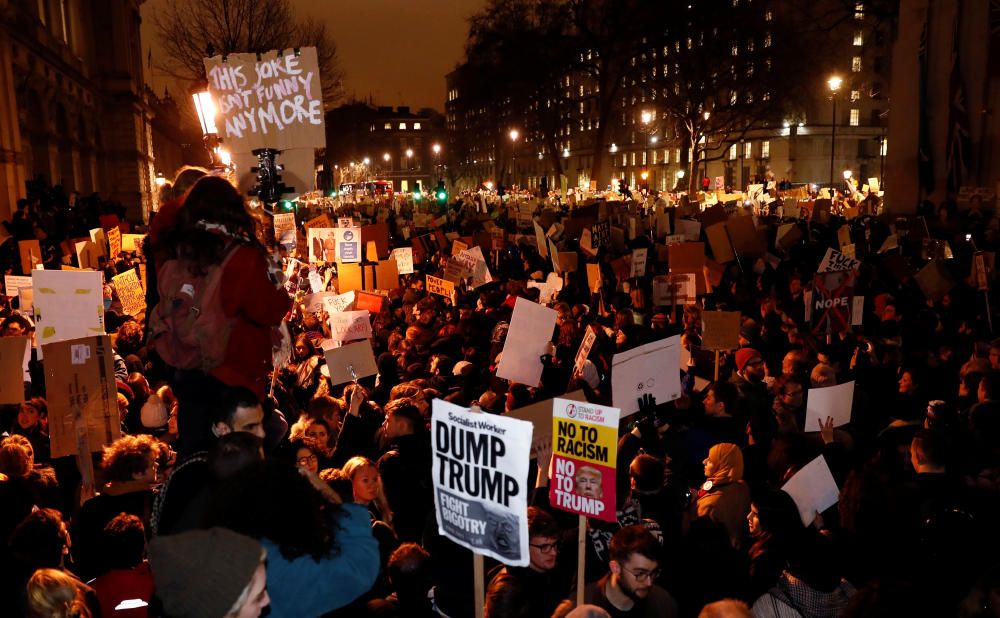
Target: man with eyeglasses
x=534, y=590
x=630, y=589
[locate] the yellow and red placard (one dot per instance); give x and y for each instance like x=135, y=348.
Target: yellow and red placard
x=584, y=454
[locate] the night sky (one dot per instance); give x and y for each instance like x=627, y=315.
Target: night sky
x=397, y=51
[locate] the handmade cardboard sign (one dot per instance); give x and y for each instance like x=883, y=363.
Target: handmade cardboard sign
x=831, y=401
x=720, y=330
x=831, y=301
x=349, y=277
x=334, y=303
x=688, y=258
x=350, y=362
x=653, y=368
x=834, y=261
x=81, y=393
x=671, y=290
x=114, y=236
x=370, y=302
x=404, y=260
x=67, y=304
x=529, y=335
x=441, y=287
x=268, y=100
x=479, y=473
x=13, y=283
x=31, y=255
x=130, y=292
x=350, y=325
x=12, y=358
x=540, y=416
x=284, y=228
x=584, y=454
x=718, y=240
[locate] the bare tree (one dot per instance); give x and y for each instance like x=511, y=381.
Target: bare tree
x=190, y=30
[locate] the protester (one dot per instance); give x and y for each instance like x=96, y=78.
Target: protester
x=209, y=573
x=916, y=468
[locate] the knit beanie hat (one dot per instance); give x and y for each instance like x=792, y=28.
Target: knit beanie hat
x=202, y=573
x=744, y=356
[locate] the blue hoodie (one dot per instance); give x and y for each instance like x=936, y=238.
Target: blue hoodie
x=304, y=587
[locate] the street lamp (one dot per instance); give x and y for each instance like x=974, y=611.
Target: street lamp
x=834, y=83
x=204, y=105
x=514, y=134
x=436, y=148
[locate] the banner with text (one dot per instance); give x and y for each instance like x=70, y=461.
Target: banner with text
x=479, y=470
x=584, y=454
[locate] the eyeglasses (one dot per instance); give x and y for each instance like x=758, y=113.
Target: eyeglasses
x=304, y=461
x=546, y=548
x=642, y=575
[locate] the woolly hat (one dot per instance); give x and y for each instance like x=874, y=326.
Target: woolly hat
x=202, y=573
x=154, y=414
x=744, y=356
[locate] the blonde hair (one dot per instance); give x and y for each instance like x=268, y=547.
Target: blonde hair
x=353, y=466
x=54, y=594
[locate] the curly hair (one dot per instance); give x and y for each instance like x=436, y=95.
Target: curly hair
x=128, y=456
x=130, y=338
x=56, y=594
x=15, y=457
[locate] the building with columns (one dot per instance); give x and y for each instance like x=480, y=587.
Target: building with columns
x=73, y=106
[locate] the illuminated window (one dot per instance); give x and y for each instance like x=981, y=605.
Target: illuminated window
x=859, y=39
x=732, y=152
x=747, y=150
x=855, y=95
x=768, y=16
x=859, y=11
x=855, y=117
x=416, y=126
x=856, y=64
x=765, y=149
x=388, y=126
x=402, y=126
x=644, y=157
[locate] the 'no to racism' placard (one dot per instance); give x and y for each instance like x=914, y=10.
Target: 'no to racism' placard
x=584, y=453
x=480, y=467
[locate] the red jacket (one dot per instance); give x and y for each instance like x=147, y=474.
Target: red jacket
x=119, y=585
x=257, y=305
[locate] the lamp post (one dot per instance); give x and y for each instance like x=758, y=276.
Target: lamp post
x=204, y=105
x=436, y=149
x=834, y=83
x=514, y=134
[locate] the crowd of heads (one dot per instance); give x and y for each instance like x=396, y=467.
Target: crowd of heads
x=223, y=491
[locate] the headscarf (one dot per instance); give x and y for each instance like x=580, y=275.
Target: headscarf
x=728, y=460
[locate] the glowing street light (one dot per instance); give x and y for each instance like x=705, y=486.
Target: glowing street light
x=367, y=161
x=653, y=139
x=680, y=173
x=565, y=153
x=160, y=179
x=647, y=117
x=386, y=157
x=409, y=153
x=614, y=148
x=834, y=84
x=436, y=148
x=204, y=104
x=514, y=134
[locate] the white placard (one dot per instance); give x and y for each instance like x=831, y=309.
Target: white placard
x=480, y=474
x=691, y=230
x=67, y=304
x=813, y=489
x=404, y=260
x=835, y=401
x=340, y=302
x=350, y=325
x=834, y=261
x=653, y=368
x=638, y=262
x=530, y=332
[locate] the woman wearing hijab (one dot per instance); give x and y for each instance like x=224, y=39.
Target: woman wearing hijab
x=724, y=497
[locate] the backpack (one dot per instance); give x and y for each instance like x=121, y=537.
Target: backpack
x=188, y=327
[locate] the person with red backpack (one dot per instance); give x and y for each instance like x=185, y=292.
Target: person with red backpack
x=220, y=299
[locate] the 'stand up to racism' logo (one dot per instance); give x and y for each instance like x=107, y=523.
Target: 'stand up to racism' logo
x=571, y=411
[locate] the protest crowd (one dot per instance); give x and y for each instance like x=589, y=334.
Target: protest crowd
x=815, y=430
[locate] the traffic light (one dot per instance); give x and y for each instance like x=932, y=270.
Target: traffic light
x=416, y=195
x=288, y=205
x=269, y=187
x=442, y=194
